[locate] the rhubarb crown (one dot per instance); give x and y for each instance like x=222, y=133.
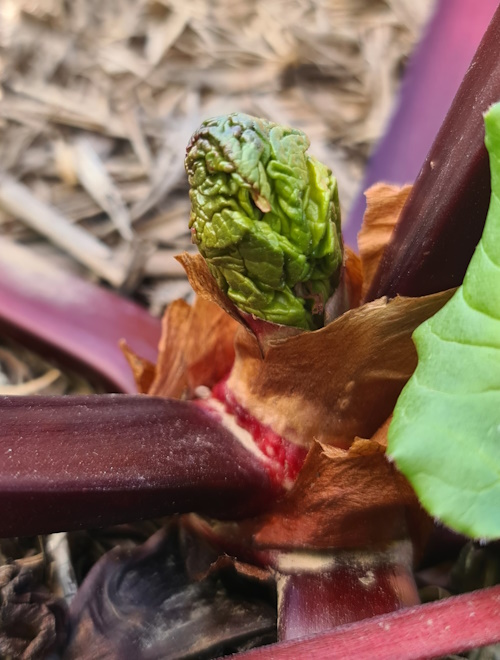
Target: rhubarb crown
x=265, y=216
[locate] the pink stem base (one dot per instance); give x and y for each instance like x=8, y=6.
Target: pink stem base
x=454, y=625
x=355, y=586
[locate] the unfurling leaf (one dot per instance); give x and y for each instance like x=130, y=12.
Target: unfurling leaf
x=266, y=217
x=445, y=435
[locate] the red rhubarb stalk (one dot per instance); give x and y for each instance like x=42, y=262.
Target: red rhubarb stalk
x=453, y=625
x=320, y=591
x=78, y=322
x=431, y=80
x=443, y=218
x=90, y=461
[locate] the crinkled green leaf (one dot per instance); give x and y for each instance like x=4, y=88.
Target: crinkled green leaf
x=265, y=215
x=445, y=434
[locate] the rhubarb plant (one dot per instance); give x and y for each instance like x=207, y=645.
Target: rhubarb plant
x=341, y=521
x=231, y=162
x=263, y=399
x=445, y=433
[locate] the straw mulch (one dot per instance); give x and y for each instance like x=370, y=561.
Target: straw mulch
x=98, y=100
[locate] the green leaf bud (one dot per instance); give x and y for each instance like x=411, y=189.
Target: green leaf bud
x=265, y=215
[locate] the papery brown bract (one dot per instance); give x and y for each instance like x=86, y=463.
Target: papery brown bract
x=171, y=372
x=384, y=203
x=344, y=499
x=144, y=371
x=335, y=383
x=196, y=348
x=354, y=276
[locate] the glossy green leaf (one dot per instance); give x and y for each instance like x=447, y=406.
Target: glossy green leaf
x=265, y=215
x=445, y=434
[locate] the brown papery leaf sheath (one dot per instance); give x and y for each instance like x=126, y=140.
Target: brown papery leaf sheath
x=335, y=383
x=383, y=206
x=196, y=348
x=342, y=499
x=90, y=461
x=443, y=219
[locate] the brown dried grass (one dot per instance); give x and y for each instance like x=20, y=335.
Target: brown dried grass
x=98, y=101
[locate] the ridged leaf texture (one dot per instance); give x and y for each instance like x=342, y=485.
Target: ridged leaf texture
x=265, y=215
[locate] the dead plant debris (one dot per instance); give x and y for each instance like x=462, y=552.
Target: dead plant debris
x=98, y=100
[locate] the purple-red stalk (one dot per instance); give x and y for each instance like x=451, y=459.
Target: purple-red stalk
x=443, y=218
x=320, y=591
x=432, y=78
x=449, y=626
x=77, y=322
x=90, y=461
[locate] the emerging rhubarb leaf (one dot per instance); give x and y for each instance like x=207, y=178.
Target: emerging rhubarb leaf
x=265, y=215
x=445, y=434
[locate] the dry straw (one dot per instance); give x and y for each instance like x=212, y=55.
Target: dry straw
x=98, y=100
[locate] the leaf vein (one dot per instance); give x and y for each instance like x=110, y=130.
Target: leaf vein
x=438, y=431
x=492, y=261
x=461, y=341
x=470, y=304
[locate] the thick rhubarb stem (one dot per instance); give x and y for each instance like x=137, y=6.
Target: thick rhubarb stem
x=89, y=461
x=437, y=629
x=432, y=78
x=443, y=218
x=80, y=323
x=320, y=591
